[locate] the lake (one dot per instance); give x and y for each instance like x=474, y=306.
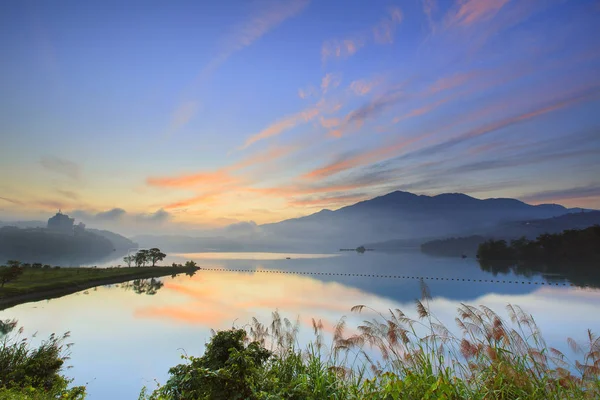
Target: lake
x=124, y=341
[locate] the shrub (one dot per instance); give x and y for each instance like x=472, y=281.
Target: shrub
x=35, y=372
x=418, y=359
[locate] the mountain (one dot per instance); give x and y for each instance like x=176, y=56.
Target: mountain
x=24, y=224
x=456, y=246
x=40, y=245
x=119, y=242
x=403, y=215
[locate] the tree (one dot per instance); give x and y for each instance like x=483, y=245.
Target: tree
x=129, y=260
x=13, y=263
x=190, y=264
x=36, y=265
x=8, y=274
x=155, y=255
x=141, y=258
x=228, y=370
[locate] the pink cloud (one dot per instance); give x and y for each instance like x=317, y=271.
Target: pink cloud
x=383, y=32
x=283, y=125
x=330, y=81
x=470, y=12
x=362, y=87
x=341, y=48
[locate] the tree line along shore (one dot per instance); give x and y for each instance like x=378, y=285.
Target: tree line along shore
x=24, y=282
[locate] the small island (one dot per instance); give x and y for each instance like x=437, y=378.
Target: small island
x=23, y=283
x=359, y=249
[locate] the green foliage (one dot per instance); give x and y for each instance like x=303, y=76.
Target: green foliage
x=575, y=245
x=572, y=254
x=35, y=373
x=190, y=264
x=454, y=246
x=227, y=370
x=129, y=260
x=418, y=359
x=34, y=282
x=144, y=286
x=155, y=255
x=141, y=258
x=7, y=326
x=8, y=274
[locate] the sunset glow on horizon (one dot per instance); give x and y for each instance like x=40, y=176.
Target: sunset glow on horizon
x=205, y=114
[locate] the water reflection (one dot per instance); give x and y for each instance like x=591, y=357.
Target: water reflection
x=580, y=274
x=186, y=308
x=143, y=286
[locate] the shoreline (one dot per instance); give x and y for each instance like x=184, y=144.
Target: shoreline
x=60, y=291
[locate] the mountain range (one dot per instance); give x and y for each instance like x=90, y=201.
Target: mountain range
x=397, y=215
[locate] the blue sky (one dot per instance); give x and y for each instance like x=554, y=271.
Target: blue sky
x=208, y=113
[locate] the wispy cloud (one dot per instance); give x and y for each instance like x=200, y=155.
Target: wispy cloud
x=111, y=215
x=13, y=201
x=283, y=125
x=62, y=166
x=429, y=7
x=68, y=194
x=327, y=201
x=207, y=179
x=381, y=33
x=256, y=26
x=580, y=192
x=308, y=92
x=114, y=214
x=158, y=216
x=362, y=87
x=345, y=48
x=369, y=110
x=388, y=150
x=469, y=12
x=330, y=81
x=183, y=115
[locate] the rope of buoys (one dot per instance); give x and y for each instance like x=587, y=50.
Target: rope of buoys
x=389, y=276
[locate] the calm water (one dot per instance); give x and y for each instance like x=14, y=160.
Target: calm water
x=125, y=340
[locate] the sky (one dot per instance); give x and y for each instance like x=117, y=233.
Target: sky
x=204, y=114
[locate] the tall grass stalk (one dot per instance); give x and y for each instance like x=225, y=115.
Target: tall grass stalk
x=394, y=356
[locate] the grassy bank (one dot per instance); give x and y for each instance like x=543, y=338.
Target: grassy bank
x=391, y=356
x=42, y=283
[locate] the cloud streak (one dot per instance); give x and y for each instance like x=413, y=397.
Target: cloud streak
x=12, y=201
x=469, y=12
x=242, y=36
x=62, y=167
x=579, y=192
x=381, y=33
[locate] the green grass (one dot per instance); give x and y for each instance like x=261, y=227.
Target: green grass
x=40, y=280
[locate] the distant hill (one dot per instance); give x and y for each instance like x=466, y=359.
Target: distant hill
x=24, y=224
x=532, y=228
x=456, y=246
x=40, y=245
x=119, y=242
x=402, y=215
